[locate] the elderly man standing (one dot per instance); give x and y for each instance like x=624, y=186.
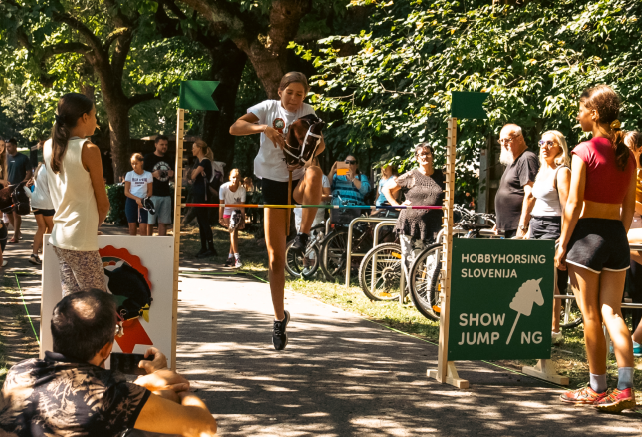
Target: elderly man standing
x=512, y=202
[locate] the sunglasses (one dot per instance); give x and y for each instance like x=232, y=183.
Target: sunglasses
x=547, y=144
x=508, y=140
x=350, y=162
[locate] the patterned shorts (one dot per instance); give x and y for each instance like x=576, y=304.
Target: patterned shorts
x=80, y=270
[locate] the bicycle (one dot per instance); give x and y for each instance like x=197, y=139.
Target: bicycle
x=295, y=261
x=426, y=270
x=335, y=244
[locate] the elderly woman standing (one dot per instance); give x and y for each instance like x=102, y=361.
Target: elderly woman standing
x=423, y=186
x=550, y=191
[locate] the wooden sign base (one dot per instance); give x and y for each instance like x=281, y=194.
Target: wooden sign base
x=452, y=378
x=545, y=369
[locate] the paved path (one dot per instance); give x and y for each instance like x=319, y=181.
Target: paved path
x=340, y=375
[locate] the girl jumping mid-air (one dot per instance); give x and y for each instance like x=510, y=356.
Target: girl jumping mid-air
x=271, y=119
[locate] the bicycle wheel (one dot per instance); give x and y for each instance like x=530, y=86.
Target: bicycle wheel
x=380, y=272
x=425, y=286
x=570, y=315
x=295, y=261
x=334, y=250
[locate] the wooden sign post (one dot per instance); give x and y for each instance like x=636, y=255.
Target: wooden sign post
x=446, y=371
x=196, y=95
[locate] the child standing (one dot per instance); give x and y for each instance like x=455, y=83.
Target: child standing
x=138, y=185
x=233, y=193
x=43, y=210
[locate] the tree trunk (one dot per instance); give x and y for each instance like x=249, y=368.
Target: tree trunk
x=118, y=115
x=216, y=124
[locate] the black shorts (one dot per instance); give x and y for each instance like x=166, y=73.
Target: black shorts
x=549, y=228
x=276, y=193
x=44, y=212
x=599, y=244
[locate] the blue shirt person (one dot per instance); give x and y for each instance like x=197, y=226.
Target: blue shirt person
x=352, y=187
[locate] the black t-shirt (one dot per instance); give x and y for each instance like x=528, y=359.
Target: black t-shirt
x=61, y=396
x=510, y=195
x=200, y=183
x=152, y=163
x=17, y=168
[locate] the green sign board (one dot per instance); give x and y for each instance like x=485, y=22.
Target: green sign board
x=501, y=300
x=468, y=105
x=197, y=94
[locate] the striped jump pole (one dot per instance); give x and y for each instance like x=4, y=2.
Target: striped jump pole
x=245, y=205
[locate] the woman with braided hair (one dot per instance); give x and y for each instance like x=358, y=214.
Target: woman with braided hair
x=271, y=119
x=594, y=246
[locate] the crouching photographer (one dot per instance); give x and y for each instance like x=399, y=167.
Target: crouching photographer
x=85, y=399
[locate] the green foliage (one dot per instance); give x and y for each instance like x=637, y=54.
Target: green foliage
x=534, y=60
x=117, y=199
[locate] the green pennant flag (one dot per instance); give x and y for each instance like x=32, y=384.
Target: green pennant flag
x=197, y=94
x=468, y=105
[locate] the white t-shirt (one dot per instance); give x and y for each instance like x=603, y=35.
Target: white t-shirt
x=40, y=198
x=298, y=212
x=231, y=198
x=270, y=162
x=139, y=183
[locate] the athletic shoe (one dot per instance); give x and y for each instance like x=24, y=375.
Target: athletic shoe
x=35, y=259
x=279, y=336
x=238, y=264
x=637, y=349
x=300, y=242
x=585, y=395
x=306, y=271
x=557, y=337
x=229, y=262
x=5, y=262
x=616, y=401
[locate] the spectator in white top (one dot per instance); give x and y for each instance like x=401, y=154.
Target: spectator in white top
x=43, y=209
x=77, y=188
x=233, y=193
x=138, y=186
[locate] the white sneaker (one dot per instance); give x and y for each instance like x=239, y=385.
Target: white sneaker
x=557, y=337
x=5, y=262
x=238, y=263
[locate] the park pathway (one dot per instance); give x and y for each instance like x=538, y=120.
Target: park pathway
x=339, y=376
x=342, y=375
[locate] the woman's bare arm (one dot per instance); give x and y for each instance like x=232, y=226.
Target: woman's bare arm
x=247, y=125
x=389, y=190
x=563, y=186
x=93, y=163
x=628, y=206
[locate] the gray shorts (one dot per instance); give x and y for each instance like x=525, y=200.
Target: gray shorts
x=163, y=207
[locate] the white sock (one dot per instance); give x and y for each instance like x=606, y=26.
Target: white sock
x=237, y=256
x=230, y=256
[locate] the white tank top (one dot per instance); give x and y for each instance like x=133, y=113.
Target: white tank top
x=73, y=197
x=547, y=203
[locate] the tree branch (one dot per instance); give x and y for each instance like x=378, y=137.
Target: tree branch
x=92, y=39
x=72, y=47
x=113, y=36
x=140, y=98
x=224, y=19
x=120, y=19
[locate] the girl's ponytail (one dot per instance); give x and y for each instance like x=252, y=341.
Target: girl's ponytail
x=621, y=151
x=71, y=107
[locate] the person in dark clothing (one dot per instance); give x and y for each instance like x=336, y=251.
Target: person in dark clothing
x=514, y=198
x=161, y=168
x=200, y=175
x=18, y=169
